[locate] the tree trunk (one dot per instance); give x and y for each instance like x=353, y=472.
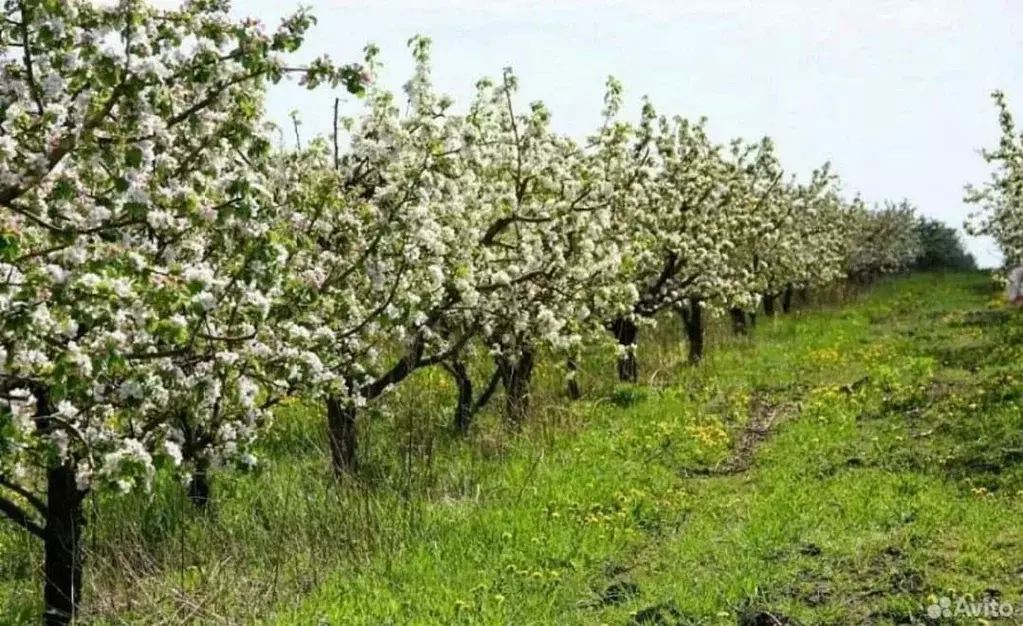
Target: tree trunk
x=516, y=377
x=753, y=319
x=739, y=325
x=62, y=547
x=804, y=295
x=464, y=409
x=786, y=300
x=573, y=383
x=342, y=434
x=199, y=489
x=769, y=304
x=625, y=332
x=196, y=439
x=692, y=320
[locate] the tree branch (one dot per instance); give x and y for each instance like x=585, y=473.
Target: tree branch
x=14, y=513
x=32, y=499
x=337, y=151
x=33, y=86
x=488, y=392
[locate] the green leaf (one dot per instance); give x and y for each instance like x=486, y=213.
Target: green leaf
x=10, y=246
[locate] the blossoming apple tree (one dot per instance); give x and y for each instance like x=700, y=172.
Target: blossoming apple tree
x=138, y=249
x=378, y=261
x=547, y=238
x=883, y=240
x=1000, y=200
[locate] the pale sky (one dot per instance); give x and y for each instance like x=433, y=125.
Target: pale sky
x=894, y=92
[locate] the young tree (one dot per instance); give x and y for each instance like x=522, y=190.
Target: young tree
x=549, y=250
x=751, y=182
x=1000, y=200
x=380, y=268
x=674, y=239
x=787, y=259
x=702, y=205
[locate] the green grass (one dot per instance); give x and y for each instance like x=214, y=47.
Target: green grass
x=846, y=465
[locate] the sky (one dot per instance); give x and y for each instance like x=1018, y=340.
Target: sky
x=895, y=93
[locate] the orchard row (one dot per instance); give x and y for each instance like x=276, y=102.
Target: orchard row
x=169, y=275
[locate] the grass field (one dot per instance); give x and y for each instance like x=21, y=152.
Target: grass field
x=845, y=465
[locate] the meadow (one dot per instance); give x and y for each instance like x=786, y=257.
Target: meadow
x=851, y=462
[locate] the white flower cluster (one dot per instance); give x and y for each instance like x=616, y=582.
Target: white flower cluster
x=884, y=240
x=143, y=248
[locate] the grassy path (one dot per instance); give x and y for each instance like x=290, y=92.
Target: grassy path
x=890, y=478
